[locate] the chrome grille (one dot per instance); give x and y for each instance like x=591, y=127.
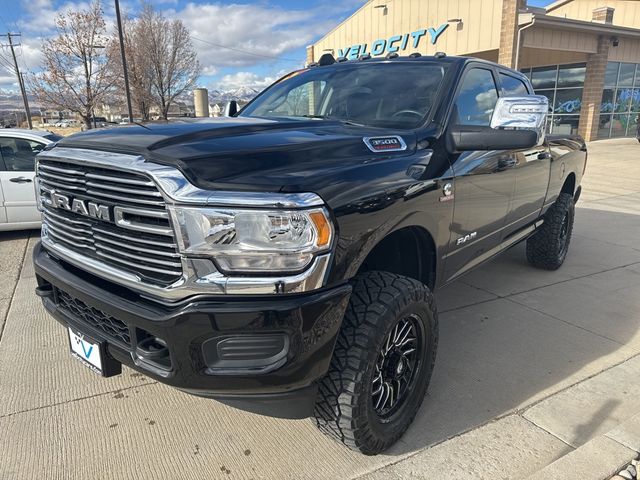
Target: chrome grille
x=146, y=247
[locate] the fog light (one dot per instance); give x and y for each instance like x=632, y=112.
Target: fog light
x=254, y=352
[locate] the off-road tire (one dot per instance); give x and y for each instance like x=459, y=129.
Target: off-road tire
x=547, y=249
x=344, y=407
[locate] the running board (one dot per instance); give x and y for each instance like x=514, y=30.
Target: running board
x=507, y=243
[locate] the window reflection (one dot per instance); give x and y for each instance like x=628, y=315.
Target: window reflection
x=568, y=101
x=611, y=74
x=619, y=125
x=625, y=77
x=620, y=105
x=607, y=105
x=571, y=75
x=565, y=124
x=544, y=77
x=621, y=99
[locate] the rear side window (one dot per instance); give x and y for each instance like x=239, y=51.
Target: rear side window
x=512, y=86
x=476, y=98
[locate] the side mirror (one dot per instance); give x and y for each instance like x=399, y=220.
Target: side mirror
x=464, y=138
x=231, y=109
x=528, y=113
x=517, y=123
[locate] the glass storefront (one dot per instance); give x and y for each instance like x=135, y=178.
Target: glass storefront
x=562, y=85
x=620, y=105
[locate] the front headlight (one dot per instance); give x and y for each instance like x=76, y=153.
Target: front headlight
x=254, y=241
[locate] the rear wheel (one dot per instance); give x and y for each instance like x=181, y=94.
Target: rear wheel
x=548, y=247
x=382, y=363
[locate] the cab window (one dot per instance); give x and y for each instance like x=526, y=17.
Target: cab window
x=512, y=86
x=476, y=98
x=19, y=154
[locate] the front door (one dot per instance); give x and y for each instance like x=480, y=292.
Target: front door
x=531, y=169
x=17, y=171
x=484, y=180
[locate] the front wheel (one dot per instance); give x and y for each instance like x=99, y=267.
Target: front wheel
x=382, y=363
x=548, y=247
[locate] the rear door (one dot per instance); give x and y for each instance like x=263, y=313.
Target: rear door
x=484, y=180
x=531, y=168
x=17, y=178
x=3, y=210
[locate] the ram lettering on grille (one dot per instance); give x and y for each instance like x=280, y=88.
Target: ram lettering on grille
x=117, y=217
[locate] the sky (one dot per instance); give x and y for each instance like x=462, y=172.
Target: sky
x=239, y=43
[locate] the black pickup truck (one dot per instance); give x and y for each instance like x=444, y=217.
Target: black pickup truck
x=283, y=260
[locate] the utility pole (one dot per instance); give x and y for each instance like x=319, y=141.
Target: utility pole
x=124, y=61
x=20, y=79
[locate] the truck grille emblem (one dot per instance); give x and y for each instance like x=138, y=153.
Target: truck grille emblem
x=81, y=207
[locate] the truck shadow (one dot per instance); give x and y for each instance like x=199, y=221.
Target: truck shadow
x=509, y=349
x=16, y=235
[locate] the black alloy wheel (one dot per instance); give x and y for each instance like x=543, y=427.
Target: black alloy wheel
x=396, y=365
x=382, y=363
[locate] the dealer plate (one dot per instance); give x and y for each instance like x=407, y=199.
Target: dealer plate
x=86, y=350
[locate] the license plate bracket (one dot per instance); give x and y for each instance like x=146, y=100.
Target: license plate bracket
x=92, y=354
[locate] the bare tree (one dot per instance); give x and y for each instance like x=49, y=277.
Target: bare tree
x=77, y=71
x=136, y=44
x=174, y=64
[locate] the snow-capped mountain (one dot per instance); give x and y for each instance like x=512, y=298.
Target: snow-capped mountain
x=241, y=94
x=10, y=99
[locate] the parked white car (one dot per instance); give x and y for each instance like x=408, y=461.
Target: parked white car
x=18, y=150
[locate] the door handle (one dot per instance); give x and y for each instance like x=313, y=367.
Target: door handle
x=20, y=180
x=544, y=156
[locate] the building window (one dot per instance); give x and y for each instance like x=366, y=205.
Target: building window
x=571, y=76
x=544, y=77
x=563, y=86
x=568, y=101
x=620, y=106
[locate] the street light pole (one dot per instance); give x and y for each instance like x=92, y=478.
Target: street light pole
x=124, y=62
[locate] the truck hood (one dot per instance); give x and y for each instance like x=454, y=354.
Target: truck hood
x=249, y=153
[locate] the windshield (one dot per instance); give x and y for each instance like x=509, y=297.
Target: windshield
x=53, y=137
x=391, y=95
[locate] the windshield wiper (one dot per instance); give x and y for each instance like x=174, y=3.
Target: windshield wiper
x=307, y=115
x=326, y=117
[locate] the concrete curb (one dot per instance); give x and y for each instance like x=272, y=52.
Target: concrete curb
x=599, y=459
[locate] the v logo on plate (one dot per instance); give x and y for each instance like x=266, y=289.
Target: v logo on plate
x=87, y=353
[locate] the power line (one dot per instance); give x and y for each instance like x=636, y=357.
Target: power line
x=23, y=57
x=10, y=36
x=246, y=52
x=7, y=64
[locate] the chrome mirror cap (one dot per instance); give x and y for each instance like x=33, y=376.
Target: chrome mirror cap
x=526, y=112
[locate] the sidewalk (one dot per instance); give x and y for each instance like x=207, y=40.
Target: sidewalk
x=595, y=415
x=13, y=246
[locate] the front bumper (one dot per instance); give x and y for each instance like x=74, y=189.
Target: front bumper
x=296, y=332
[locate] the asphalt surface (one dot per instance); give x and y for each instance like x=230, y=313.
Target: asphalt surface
x=531, y=365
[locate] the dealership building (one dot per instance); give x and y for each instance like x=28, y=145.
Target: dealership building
x=584, y=55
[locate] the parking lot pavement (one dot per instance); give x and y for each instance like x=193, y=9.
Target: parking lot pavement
x=528, y=368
